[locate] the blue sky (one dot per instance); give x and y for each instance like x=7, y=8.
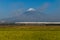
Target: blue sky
x=8, y=7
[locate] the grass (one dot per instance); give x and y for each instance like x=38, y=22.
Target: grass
x=29, y=32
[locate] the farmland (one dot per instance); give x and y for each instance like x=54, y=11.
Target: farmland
x=29, y=32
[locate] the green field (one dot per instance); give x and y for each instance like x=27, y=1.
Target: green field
x=28, y=32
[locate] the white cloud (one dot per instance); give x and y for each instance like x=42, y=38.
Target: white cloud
x=44, y=6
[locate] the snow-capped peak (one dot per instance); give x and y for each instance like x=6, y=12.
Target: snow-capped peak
x=31, y=9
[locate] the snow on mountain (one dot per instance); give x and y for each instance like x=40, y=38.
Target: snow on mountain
x=31, y=9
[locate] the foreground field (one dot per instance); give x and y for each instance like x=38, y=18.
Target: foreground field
x=29, y=32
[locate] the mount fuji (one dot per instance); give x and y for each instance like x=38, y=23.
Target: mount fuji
x=30, y=15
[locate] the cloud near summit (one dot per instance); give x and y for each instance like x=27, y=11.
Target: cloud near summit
x=44, y=6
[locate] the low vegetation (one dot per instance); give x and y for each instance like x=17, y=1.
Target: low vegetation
x=29, y=32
